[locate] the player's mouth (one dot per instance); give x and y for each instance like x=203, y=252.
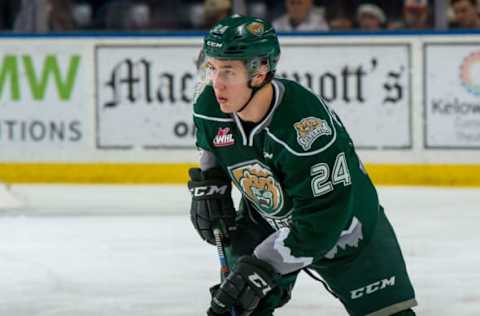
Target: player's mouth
x=221, y=99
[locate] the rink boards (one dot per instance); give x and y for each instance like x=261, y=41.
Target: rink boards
x=385, y=174
x=117, y=109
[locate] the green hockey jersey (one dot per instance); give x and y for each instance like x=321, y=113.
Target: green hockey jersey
x=299, y=170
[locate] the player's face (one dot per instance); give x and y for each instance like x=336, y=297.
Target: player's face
x=229, y=79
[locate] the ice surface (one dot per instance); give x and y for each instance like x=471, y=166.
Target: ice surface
x=130, y=250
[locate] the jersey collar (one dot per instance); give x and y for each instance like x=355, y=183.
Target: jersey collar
x=279, y=90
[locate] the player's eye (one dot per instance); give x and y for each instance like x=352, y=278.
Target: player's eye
x=228, y=73
x=210, y=67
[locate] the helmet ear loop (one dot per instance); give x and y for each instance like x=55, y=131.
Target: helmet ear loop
x=268, y=78
x=254, y=69
x=252, y=87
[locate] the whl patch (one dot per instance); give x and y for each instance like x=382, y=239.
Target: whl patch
x=223, y=138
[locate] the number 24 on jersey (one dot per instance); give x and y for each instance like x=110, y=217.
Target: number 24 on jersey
x=323, y=180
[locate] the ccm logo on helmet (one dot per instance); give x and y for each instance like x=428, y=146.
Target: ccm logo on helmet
x=214, y=44
x=208, y=190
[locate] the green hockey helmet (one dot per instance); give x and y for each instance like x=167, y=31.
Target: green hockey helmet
x=243, y=38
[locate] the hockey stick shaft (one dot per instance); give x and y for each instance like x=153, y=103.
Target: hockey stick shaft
x=224, y=268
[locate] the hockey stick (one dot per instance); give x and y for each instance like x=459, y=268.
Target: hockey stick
x=224, y=268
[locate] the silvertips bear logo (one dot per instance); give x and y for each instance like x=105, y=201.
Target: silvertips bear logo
x=309, y=129
x=258, y=184
x=223, y=138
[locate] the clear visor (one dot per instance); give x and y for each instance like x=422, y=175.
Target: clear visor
x=228, y=72
x=212, y=70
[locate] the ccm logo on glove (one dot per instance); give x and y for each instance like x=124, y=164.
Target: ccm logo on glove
x=212, y=204
x=260, y=283
x=208, y=190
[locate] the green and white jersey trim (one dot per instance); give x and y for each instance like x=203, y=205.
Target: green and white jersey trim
x=286, y=252
x=212, y=118
x=274, y=251
x=296, y=153
x=350, y=237
x=395, y=308
x=279, y=91
x=314, y=152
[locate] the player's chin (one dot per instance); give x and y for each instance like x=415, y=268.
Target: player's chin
x=226, y=108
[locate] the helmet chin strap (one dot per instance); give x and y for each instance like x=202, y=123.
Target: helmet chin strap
x=254, y=91
x=252, y=94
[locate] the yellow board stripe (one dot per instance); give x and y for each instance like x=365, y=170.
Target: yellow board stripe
x=417, y=174
x=385, y=174
x=94, y=173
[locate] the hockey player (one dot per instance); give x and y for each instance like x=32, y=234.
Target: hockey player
x=307, y=202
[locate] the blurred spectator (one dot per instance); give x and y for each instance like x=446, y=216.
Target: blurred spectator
x=126, y=15
x=416, y=16
x=466, y=15
x=340, y=15
x=301, y=15
x=169, y=15
x=116, y=15
x=139, y=17
x=258, y=9
x=340, y=23
x=40, y=16
x=82, y=15
x=370, y=17
x=214, y=11
x=8, y=11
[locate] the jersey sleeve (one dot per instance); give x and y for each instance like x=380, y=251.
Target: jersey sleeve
x=320, y=188
x=202, y=109
x=321, y=192
x=201, y=140
x=315, y=157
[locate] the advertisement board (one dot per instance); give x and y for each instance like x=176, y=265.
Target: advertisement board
x=144, y=93
x=452, y=95
x=44, y=101
x=119, y=108
x=367, y=85
x=144, y=96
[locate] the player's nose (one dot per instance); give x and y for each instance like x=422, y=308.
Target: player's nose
x=218, y=84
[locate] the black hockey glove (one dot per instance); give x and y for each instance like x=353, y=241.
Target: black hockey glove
x=243, y=288
x=212, y=204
